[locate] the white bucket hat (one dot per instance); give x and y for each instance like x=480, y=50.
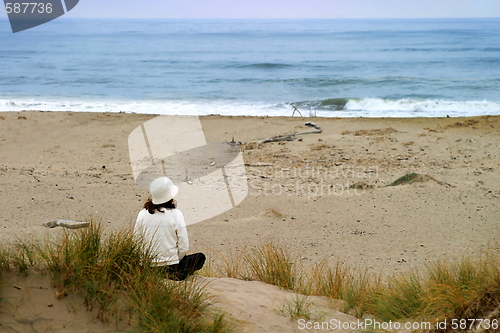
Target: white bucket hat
x=162, y=190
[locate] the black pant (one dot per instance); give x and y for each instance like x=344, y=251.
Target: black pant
x=186, y=266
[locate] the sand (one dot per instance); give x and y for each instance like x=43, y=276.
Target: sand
x=325, y=196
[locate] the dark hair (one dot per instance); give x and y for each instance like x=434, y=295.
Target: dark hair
x=151, y=207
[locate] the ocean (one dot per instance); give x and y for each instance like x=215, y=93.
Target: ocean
x=324, y=68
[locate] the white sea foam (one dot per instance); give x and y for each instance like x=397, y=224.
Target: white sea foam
x=145, y=107
x=367, y=107
x=423, y=108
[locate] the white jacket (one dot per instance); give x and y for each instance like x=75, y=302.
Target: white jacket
x=166, y=233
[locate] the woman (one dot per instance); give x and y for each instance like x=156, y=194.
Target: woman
x=163, y=226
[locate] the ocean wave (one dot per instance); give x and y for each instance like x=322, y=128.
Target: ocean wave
x=377, y=107
x=433, y=106
x=159, y=61
x=265, y=65
x=441, y=49
x=331, y=104
x=162, y=107
x=331, y=107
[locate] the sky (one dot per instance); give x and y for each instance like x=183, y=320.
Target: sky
x=287, y=9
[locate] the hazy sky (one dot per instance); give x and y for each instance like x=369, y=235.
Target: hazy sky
x=284, y=9
x=287, y=8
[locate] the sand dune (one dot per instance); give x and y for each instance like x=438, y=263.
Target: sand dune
x=323, y=196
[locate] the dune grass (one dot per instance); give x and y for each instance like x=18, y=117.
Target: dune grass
x=466, y=288
x=406, y=179
x=297, y=307
x=4, y=263
x=338, y=281
x=275, y=264
x=271, y=264
x=112, y=274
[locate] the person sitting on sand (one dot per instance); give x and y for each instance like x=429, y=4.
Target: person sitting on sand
x=162, y=225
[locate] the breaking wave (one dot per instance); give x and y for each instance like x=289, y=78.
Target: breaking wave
x=332, y=107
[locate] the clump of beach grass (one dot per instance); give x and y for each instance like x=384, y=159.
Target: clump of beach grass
x=226, y=266
x=113, y=275
x=269, y=262
x=445, y=289
x=463, y=289
x=297, y=307
x=4, y=263
x=411, y=178
x=397, y=299
x=272, y=264
x=406, y=179
x=338, y=281
x=456, y=288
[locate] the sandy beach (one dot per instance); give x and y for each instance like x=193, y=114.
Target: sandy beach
x=324, y=195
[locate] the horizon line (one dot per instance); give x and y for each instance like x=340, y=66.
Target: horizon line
x=279, y=18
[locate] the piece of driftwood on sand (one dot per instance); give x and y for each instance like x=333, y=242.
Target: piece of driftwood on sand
x=292, y=136
x=69, y=224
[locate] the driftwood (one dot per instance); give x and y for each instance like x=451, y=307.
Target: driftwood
x=311, y=124
x=70, y=224
x=292, y=136
x=287, y=137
